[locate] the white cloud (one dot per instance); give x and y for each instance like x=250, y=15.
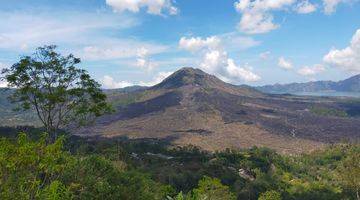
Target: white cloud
x=330, y=5
x=305, y=7
x=348, y=58
x=285, y=64
x=243, y=73
x=108, y=82
x=155, y=7
x=265, y=55
x=157, y=79
x=310, y=71
x=256, y=15
x=194, y=44
x=257, y=22
x=143, y=60
x=215, y=60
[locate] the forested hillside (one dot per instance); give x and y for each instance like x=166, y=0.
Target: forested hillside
x=72, y=168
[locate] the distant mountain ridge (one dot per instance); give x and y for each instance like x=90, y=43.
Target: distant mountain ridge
x=351, y=84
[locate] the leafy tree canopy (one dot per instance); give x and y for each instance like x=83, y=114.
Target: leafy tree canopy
x=212, y=189
x=59, y=92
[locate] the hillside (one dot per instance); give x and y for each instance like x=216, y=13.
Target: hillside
x=192, y=107
x=351, y=84
x=10, y=117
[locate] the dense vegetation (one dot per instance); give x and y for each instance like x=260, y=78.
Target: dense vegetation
x=328, y=111
x=72, y=168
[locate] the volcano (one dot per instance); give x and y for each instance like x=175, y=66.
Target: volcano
x=193, y=107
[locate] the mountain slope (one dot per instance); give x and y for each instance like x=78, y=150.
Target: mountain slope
x=9, y=117
x=192, y=107
x=351, y=84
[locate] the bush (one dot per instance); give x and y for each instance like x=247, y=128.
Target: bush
x=270, y=195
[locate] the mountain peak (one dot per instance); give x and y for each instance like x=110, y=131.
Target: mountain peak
x=189, y=76
x=197, y=78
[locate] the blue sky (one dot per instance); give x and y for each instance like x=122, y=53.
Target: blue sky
x=130, y=42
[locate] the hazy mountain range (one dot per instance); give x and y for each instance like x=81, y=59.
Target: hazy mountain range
x=351, y=84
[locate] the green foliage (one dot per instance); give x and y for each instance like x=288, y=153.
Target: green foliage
x=180, y=196
x=140, y=186
x=349, y=172
x=37, y=170
x=56, y=191
x=328, y=111
x=29, y=170
x=270, y=195
x=133, y=170
x=50, y=84
x=211, y=189
x=308, y=176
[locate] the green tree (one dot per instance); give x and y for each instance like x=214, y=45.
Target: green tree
x=56, y=191
x=179, y=196
x=95, y=177
x=270, y=195
x=59, y=92
x=29, y=170
x=212, y=189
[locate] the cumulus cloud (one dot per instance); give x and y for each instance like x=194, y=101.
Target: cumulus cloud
x=108, y=82
x=194, y=44
x=216, y=61
x=157, y=79
x=348, y=58
x=330, y=5
x=243, y=73
x=311, y=70
x=155, y=7
x=255, y=23
x=256, y=15
x=285, y=64
x=143, y=60
x=305, y=7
